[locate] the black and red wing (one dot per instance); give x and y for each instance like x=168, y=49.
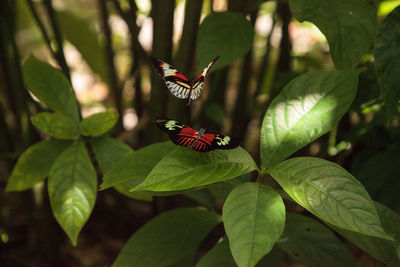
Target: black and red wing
x=176, y=82
x=221, y=141
x=179, y=134
x=169, y=126
x=199, y=82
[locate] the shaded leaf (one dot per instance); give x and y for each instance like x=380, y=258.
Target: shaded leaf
x=34, y=164
x=381, y=249
x=219, y=255
x=225, y=34
x=380, y=175
x=50, y=86
x=201, y=196
x=349, y=26
x=56, y=125
x=109, y=151
x=222, y=189
x=72, y=188
x=313, y=243
x=330, y=193
x=387, y=55
x=167, y=238
x=254, y=218
x=184, y=168
x=98, y=124
x=308, y=107
x=137, y=165
x=78, y=32
x=124, y=189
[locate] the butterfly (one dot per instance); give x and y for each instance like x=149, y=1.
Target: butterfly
x=199, y=140
x=177, y=83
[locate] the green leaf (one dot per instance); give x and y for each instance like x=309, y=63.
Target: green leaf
x=56, y=125
x=380, y=175
x=308, y=107
x=72, y=188
x=201, y=196
x=34, y=164
x=98, y=124
x=313, y=243
x=387, y=54
x=254, y=218
x=50, y=86
x=78, y=32
x=137, y=165
x=329, y=192
x=167, y=238
x=381, y=249
x=225, y=34
x=219, y=255
x=109, y=151
x=222, y=189
x=123, y=189
x=349, y=26
x=184, y=168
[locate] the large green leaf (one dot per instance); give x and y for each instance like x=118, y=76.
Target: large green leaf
x=78, y=32
x=222, y=189
x=308, y=107
x=184, y=168
x=380, y=175
x=50, y=86
x=349, y=26
x=72, y=187
x=34, y=164
x=167, y=238
x=387, y=59
x=254, y=218
x=381, y=249
x=225, y=34
x=219, y=255
x=56, y=125
x=137, y=165
x=109, y=152
x=313, y=243
x=98, y=124
x=330, y=193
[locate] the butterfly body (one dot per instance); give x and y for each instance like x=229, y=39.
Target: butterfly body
x=201, y=140
x=179, y=85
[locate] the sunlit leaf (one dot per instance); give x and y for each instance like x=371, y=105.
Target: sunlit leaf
x=330, y=193
x=308, y=107
x=56, y=125
x=85, y=39
x=381, y=249
x=184, y=168
x=313, y=243
x=349, y=26
x=34, y=164
x=137, y=165
x=254, y=218
x=72, y=187
x=225, y=34
x=50, y=86
x=387, y=55
x=167, y=238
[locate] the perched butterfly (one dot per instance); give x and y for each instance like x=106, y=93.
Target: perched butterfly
x=200, y=140
x=177, y=83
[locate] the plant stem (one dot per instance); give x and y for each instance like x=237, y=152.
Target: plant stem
x=57, y=35
x=115, y=88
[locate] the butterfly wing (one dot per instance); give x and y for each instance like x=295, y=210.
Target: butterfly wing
x=176, y=82
x=179, y=134
x=199, y=82
x=220, y=141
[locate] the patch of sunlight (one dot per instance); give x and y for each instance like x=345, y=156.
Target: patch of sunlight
x=386, y=7
x=130, y=119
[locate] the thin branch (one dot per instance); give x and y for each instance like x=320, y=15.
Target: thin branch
x=42, y=28
x=57, y=35
x=115, y=88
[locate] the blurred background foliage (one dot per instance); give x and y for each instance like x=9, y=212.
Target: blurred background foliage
x=102, y=46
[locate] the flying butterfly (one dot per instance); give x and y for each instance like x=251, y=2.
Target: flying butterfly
x=199, y=140
x=177, y=83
